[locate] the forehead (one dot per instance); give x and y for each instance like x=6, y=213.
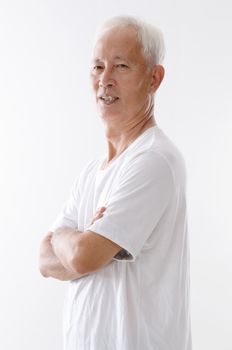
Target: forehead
x=120, y=42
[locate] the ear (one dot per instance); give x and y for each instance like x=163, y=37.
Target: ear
x=157, y=77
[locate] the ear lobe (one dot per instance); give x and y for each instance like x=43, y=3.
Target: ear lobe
x=157, y=77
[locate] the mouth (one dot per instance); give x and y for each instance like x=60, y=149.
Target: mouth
x=108, y=100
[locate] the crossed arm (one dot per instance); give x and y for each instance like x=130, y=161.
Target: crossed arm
x=68, y=254
x=49, y=263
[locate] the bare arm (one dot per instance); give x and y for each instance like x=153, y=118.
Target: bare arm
x=83, y=252
x=50, y=265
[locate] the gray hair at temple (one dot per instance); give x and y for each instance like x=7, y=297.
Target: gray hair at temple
x=150, y=37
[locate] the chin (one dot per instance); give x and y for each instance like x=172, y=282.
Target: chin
x=109, y=115
x=109, y=118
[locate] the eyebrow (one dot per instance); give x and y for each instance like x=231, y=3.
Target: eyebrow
x=119, y=58
x=116, y=58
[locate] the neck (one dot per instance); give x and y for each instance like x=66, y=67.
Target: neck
x=119, y=138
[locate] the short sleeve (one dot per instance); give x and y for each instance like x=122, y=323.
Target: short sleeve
x=69, y=212
x=137, y=204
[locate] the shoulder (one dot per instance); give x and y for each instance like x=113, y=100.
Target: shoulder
x=154, y=150
x=160, y=164
x=148, y=161
x=164, y=146
x=147, y=170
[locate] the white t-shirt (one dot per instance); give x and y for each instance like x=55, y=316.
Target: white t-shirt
x=140, y=300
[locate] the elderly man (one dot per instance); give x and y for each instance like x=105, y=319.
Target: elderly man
x=121, y=239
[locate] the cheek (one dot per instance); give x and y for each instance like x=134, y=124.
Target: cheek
x=139, y=85
x=93, y=83
x=142, y=85
x=137, y=92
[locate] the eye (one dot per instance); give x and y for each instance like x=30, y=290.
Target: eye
x=121, y=65
x=97, y=67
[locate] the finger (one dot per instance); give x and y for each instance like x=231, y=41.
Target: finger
x=102, y=209
x=96, y=217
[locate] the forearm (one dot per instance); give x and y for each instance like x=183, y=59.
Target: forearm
x=65, y=244
x=50, y=265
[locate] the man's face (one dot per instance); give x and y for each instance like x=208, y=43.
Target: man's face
x=120, y=76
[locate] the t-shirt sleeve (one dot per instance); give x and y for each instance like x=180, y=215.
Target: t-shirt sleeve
x=137, y=204
x=68, y=216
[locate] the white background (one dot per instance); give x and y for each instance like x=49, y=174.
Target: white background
x=49, y=130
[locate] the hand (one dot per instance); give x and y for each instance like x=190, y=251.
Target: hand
x=98, y=214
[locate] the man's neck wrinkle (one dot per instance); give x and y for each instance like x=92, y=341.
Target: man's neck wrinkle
x=120, y=141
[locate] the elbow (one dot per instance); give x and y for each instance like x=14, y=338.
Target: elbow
x=44, y=274
x=43, y=270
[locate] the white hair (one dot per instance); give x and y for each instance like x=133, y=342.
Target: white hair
x=150, y=37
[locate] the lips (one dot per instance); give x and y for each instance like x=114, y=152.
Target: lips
x=108, y=99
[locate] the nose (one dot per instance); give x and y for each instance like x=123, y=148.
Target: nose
x=106, y=79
